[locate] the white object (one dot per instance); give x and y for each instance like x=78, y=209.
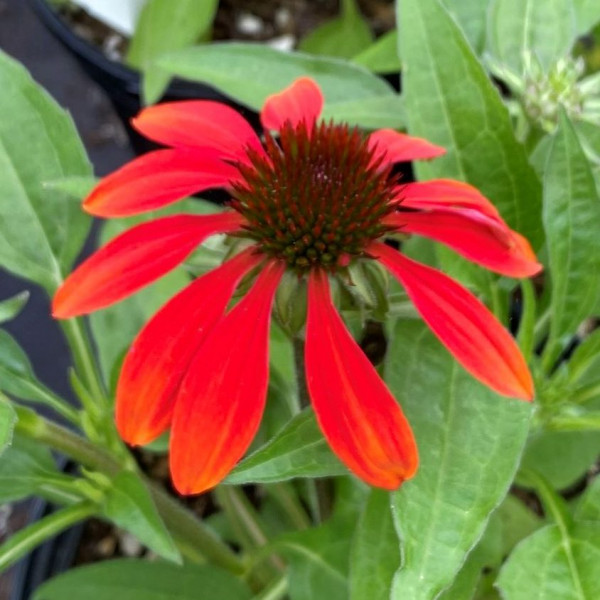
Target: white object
x=121, y=15
x=284, y=42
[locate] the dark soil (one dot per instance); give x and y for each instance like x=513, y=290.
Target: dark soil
x=246, y=20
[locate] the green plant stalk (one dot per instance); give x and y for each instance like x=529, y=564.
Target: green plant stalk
x=247, y=524
x=498, y=299
x=25, y=540
x=276, y=591
x=316, y=492
x=304, y=398
x=83, y=357
x=57, y=404
x=586, y=422
x=525, y=336
x=283, y=494
x=184, y=525
x=586, y=393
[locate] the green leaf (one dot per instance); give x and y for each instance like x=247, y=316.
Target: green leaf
x=486, y=554
x=319, y=558
x=587, y=14
x=16, y=374
x=26, y=468
x=298, y=450
x=471, y=16
x=142, y=580
x=470, y=441
x=585, y=357
x=376, y=112
x=382, y=55
x=41, y=231
x=375, y=555
x=588, y=508
x=571, y=220
x=544, y=28
x=562, y=457
x=7, y=423
x=11, y=307
x=450, y=100
x=251, y=72
x=343, y=37
x=554, y=564
x=517, y=522
x=75, y=187
x=163, y=26
x=128, y=504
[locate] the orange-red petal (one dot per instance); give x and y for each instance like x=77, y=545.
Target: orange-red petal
x=157, y=179
x=396, y=147
x=134, y=259
x=160, y=355
x=221, y=399
x=482, y=239
x=462, y=323
x=445, y=193
x=357, y=413
x=301, y=101
x=198, y=124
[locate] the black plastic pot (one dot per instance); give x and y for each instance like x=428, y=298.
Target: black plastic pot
x=46, y=561
x=121, y=83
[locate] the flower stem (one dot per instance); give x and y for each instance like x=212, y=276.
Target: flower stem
x=276, y=591
x=316, y=492
x=298, y=345
x=246, y=521
x=25, y=540
x=48, y=398
x=525, y=335
x=283, y=494
x=83, y=357
x=185, y=526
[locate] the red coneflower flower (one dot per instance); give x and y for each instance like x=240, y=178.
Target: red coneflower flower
x=316, y=199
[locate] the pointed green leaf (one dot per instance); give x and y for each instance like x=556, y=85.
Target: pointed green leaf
x=343, y=37
x=163, y=26
x=450, y=100
x=251, y=72
x=375, y=112
x=319, y=558
x=16, y=373
x=375, y=555
x=298, y=450
x=129, y=505
x=587, y=14
x=471, y=15
x=470, y=441
x=588, y=508
x=25, y=469
x=11, y=307
x=7, y=423
x=543, y=28
x=572, y=221
x=584, y=361
x=561, y=457
x=382, y=55
x=143, y=580
x=552, y=563
x=75, y=187
x=41, y=231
